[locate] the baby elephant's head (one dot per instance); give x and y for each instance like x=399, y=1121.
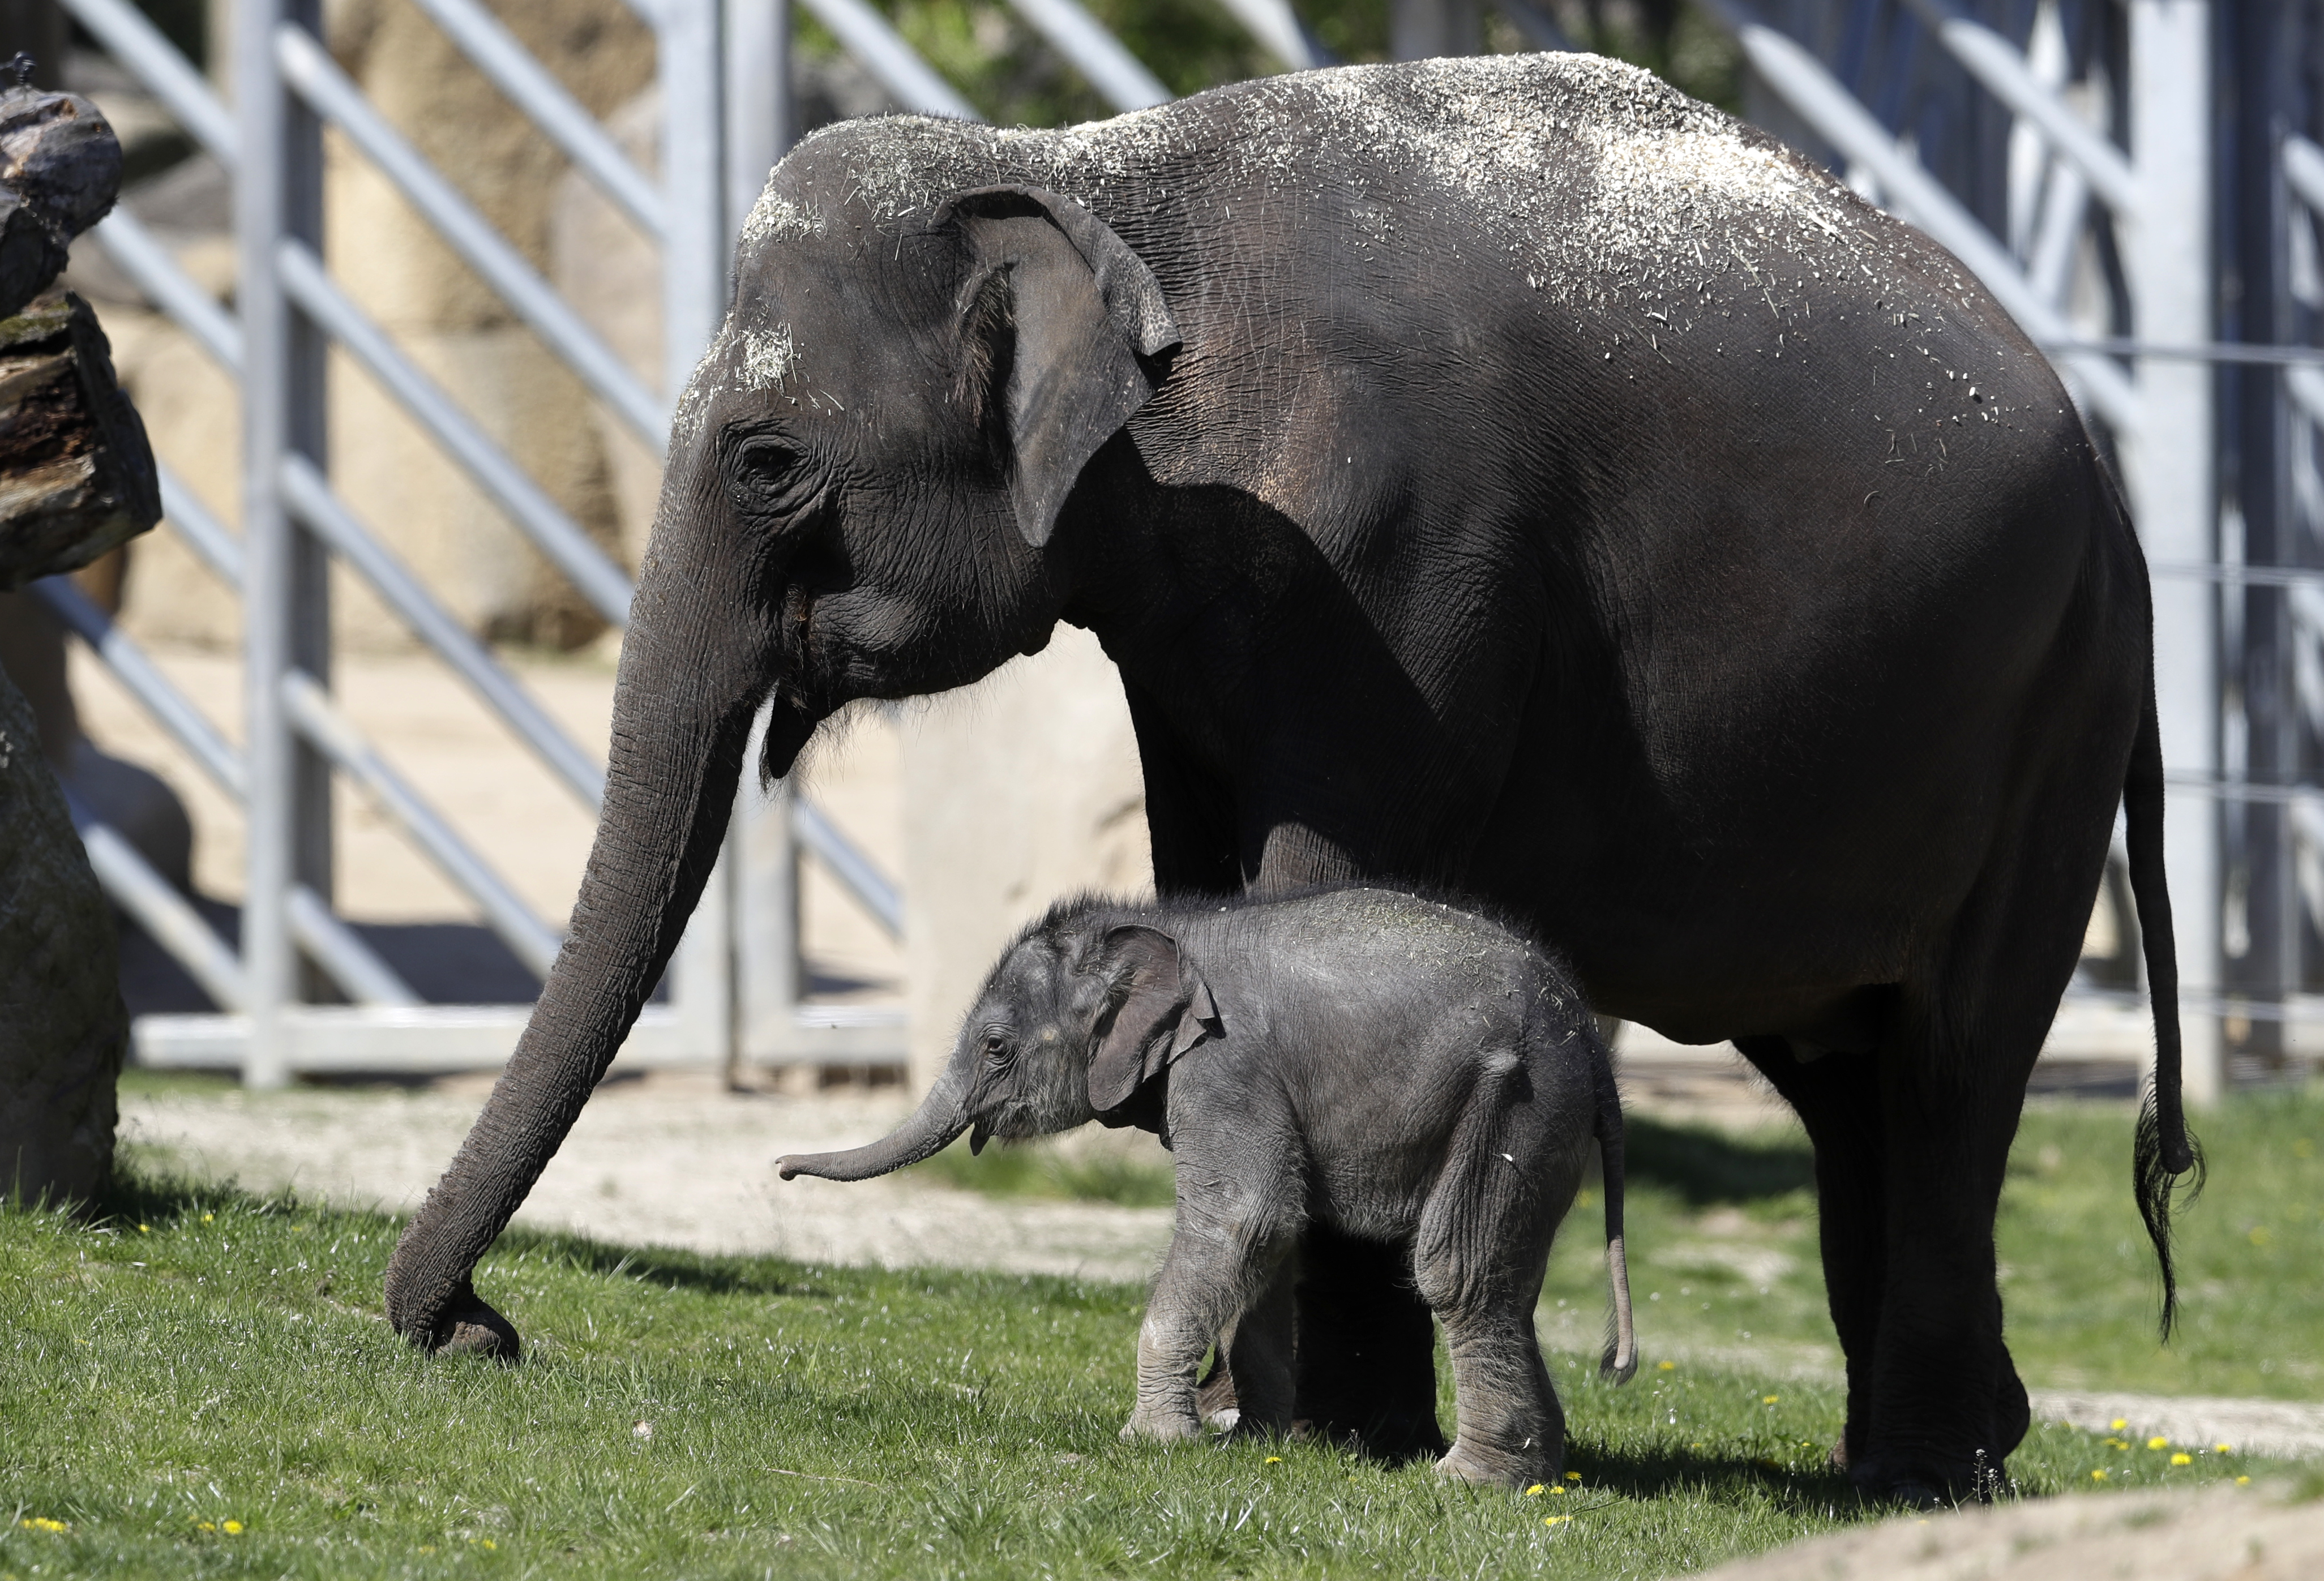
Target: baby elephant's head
x=1075, y=1019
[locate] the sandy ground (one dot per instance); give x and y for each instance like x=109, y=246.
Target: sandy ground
x=2221, y=1534
x=671, y=1159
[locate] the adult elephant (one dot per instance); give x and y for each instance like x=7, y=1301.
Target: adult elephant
x=1502, y=473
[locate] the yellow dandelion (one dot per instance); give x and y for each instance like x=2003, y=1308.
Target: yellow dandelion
x=204, y=1526
x=1556, y=1520
x=2158, y=1442
x=42, y=1524
x=2223, y=1448
x=1273, y=1460
x=231, y=1528
x=2119, y=1423
x=1769, y=1399
x=1536, y=1491
x=1573, y=1477
x=1559, y=1492
x=2243, y=1482
x=144, y=1229
x=207, y=1218
x=1666, y=1366
x=488, y=1542
x=2099, y=1475
x=2182, y=1458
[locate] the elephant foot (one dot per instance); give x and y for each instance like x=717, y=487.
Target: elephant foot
x=1921, y=1486
x=1467, y=1462
x=471, y=1327
x=1157, y=1428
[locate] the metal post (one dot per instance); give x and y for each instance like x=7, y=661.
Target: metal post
x=695, y=247
x=286, y=614
x=2168, y=467
x=767, y=936
x=760, y=123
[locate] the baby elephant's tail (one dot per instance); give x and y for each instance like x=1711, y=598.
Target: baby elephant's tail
x=1621, y=1357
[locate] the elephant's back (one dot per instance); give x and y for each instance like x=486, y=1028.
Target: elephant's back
x=1588, y=181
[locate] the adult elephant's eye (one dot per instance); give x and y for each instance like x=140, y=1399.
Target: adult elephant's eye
x=763, y=471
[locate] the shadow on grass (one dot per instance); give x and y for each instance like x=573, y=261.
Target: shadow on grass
x=1817, y=1489
x=1706, y=1166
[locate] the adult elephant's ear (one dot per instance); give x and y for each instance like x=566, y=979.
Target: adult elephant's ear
x=1059, y=321
x=1161, y=1009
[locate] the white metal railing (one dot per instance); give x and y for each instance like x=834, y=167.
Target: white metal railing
x=722, y=68
x=731, y=96
x=287, y=309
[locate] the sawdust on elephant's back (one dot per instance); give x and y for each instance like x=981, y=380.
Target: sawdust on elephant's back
x=1599, y=183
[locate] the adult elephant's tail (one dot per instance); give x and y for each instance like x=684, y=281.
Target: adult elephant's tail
x=2162, y=1149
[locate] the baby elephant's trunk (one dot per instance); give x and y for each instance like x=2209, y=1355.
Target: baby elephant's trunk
x=1621, y=1359
x=941, y=1118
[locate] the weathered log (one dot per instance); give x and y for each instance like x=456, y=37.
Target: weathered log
x=60, y=169
x=76, y=473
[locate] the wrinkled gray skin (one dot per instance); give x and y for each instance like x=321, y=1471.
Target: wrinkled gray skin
x=1408, y=1072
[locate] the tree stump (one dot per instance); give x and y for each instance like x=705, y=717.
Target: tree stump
x=75, y=474
x=76, y=479
x=62, y=1028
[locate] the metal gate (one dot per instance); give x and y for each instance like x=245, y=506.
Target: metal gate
x=716, y=63
x=2103, y=167
x=724, y=71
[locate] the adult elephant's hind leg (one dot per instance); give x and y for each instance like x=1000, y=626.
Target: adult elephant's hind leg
x=1947, y=1406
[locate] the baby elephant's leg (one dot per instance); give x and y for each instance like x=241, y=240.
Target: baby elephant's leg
x=1512, y=1430
x=1477, y=1260
x=1200, y=1290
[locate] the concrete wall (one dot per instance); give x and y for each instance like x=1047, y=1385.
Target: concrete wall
x=1017, y=791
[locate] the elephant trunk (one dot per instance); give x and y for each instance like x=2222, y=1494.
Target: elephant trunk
x=942, y=1116
x=689, y=687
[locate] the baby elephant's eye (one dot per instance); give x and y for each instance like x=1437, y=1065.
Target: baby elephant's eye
x=995, y=1045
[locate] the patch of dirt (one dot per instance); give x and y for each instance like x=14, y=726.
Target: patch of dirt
x=672, y=1159
x=2217, y=1534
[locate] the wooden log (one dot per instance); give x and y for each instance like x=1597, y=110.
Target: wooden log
x=76, y=476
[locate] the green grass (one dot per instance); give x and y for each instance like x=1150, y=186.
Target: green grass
x=1124, y=1177
x=1722, y=1242
x=201, y=1356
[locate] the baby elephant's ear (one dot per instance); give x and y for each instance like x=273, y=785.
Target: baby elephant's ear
x=1163, y=1009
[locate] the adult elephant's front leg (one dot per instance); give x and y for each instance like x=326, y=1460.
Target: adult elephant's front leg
x=1367, y=1347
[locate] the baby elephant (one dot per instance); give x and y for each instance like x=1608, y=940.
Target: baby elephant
x=1400, y=1070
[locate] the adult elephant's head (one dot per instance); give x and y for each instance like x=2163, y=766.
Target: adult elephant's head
x=863, y=475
